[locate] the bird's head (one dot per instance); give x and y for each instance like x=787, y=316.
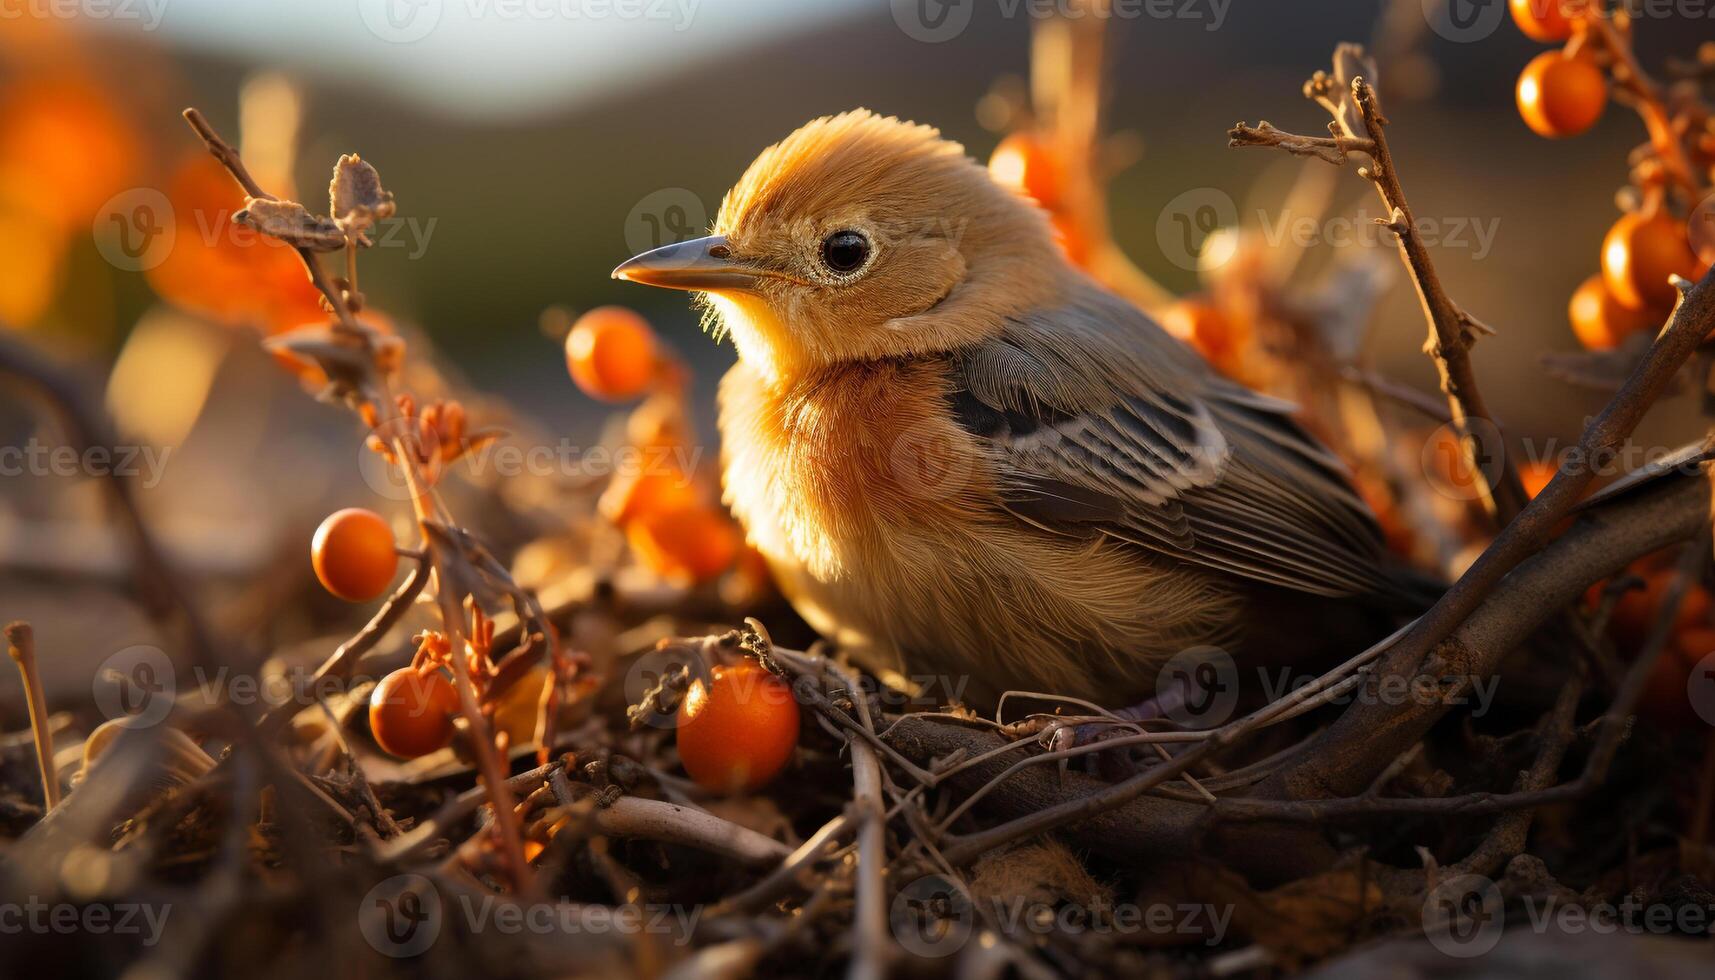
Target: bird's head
x=861, y=237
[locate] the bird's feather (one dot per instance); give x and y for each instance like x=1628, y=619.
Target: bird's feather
x=1101, y=423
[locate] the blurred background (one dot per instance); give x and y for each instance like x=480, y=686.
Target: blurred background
x=534, y=144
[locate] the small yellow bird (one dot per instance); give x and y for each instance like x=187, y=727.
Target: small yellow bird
x=968, y=462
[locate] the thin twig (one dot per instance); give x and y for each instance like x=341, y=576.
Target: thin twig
x=1359, y=126
x=21, y=645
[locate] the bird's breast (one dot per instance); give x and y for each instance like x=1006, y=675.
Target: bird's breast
x=833, y=469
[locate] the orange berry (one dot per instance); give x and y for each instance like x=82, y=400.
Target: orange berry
x=738, y=732
x=1535, y=476
x=1638, y=255
x=693, y=542
x=1022, y=162
x=1561, y=96
x=651, y=491
x=1636, y=611
x=66, y=147
x=1201, y=324
x=411, y=711
x=354, y=554
x=1602, y=322
x=611, y=353
x=1546, y=20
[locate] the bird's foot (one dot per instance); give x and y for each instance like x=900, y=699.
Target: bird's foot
x=1121, y=761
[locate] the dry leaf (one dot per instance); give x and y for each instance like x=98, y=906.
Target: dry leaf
x=356, y=197
x=292, y=223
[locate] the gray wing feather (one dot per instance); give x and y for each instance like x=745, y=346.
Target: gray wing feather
x=1103, y=424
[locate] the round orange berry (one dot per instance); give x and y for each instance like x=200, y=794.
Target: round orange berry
x=354, y=554
x=611, y=353
x=411, y=711
x=1546, y=20
x=694, y=542
x=739, y=731
x=633, y=495
x=1561, y=96
x=1640, y=252
x=1602, y=322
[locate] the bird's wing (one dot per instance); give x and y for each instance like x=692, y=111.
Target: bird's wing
x=1100, y=423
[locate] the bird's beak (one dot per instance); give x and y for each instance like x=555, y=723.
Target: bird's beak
x=702, y=264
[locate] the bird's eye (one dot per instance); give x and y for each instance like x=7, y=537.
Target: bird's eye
x=845, y=251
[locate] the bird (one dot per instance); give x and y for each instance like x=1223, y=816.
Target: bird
x=973, y=467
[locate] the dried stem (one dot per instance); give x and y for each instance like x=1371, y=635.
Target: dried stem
x=21, y=645
x=430, y=511
x=1359, y=126
x=343, y=661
